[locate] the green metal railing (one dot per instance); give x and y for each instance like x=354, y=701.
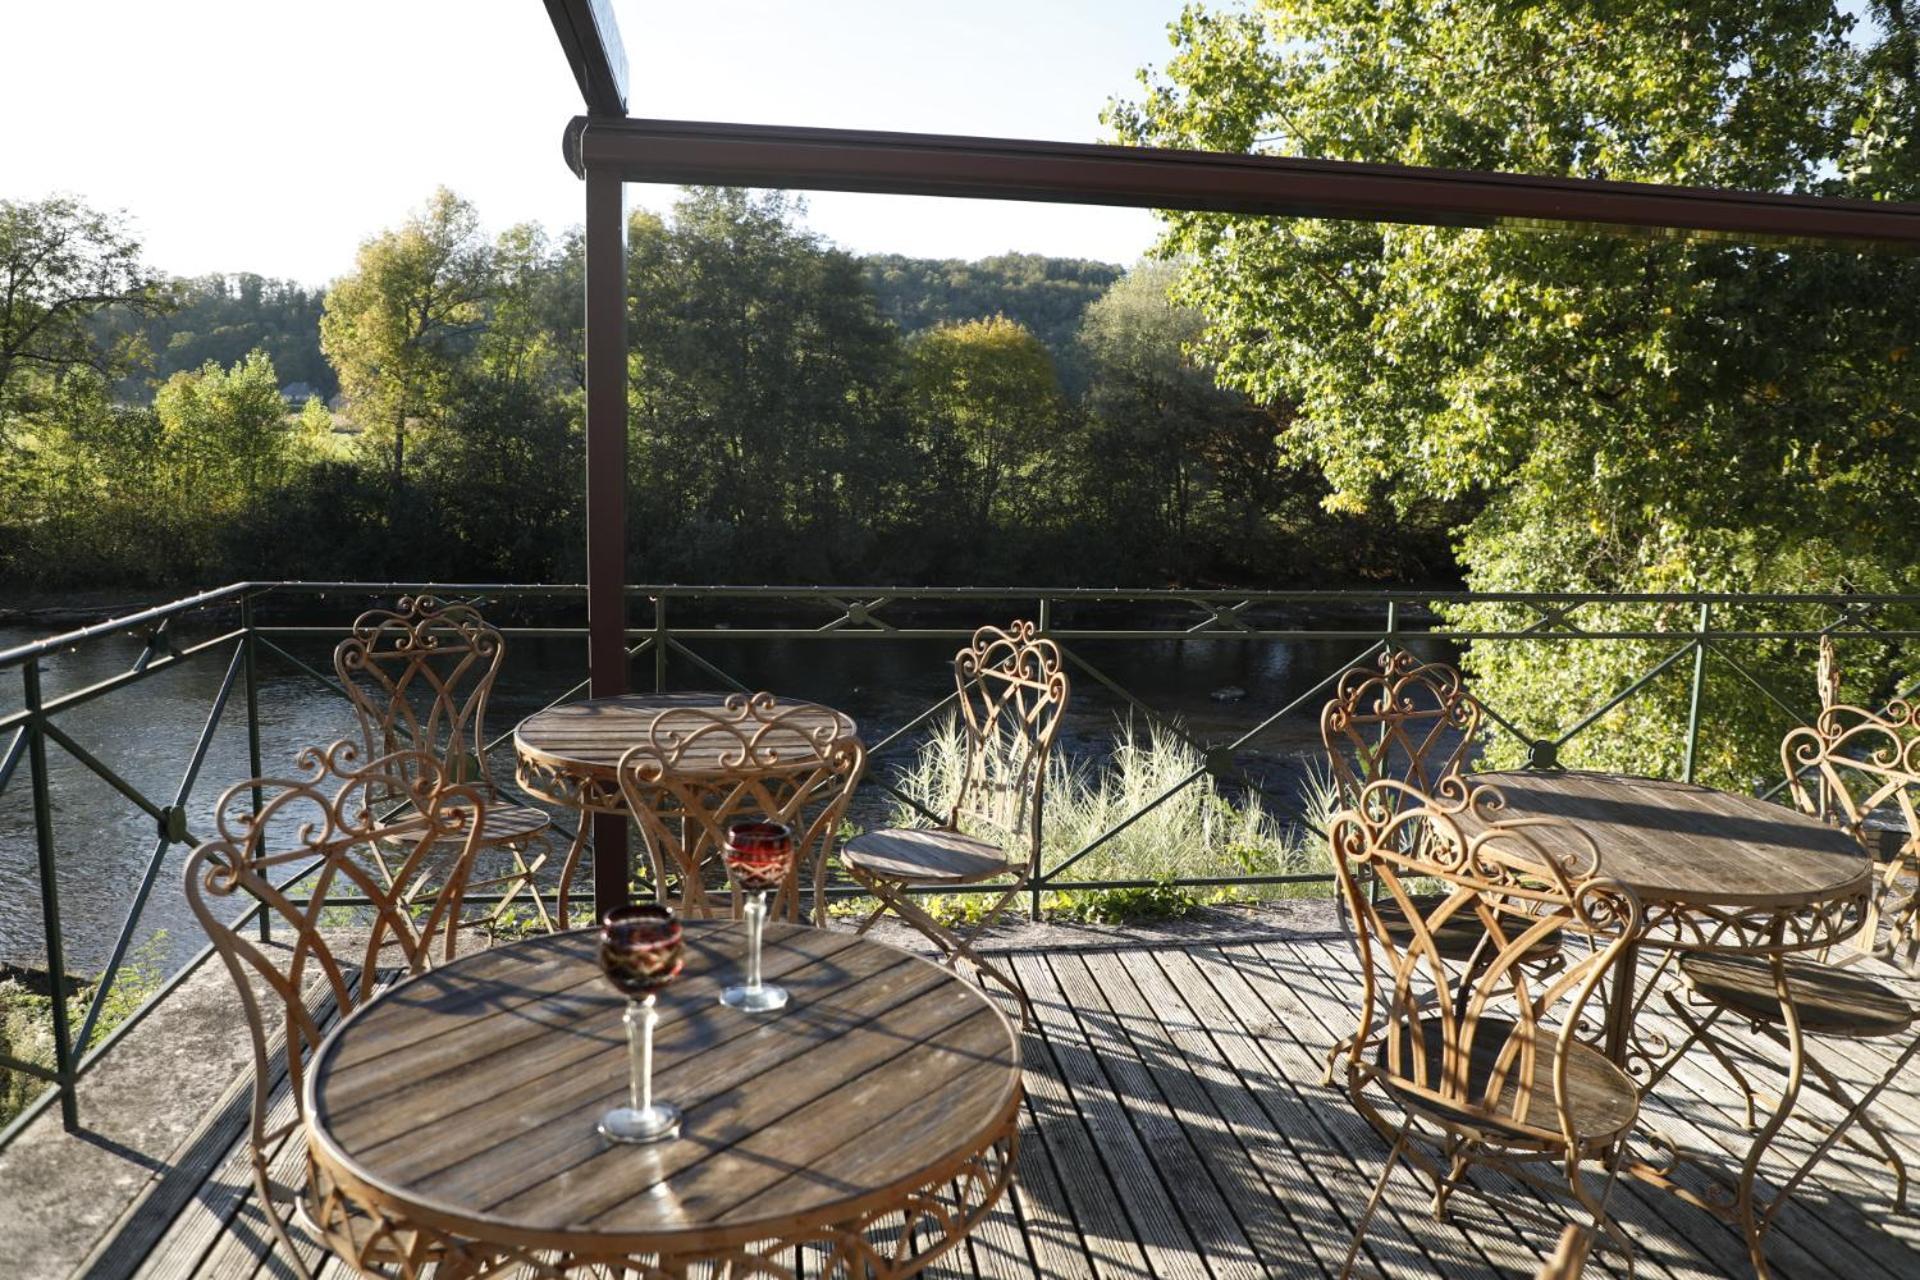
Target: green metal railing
x=251, y=624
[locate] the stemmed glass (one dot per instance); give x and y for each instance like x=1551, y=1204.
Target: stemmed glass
x=640, y=950
x=759, y=856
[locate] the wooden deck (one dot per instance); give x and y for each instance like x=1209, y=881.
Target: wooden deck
x=1175, y=1129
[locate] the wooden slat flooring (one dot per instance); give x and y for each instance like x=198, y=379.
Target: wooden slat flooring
x=1175, y=1127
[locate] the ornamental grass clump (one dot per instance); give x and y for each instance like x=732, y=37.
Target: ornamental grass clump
x=1181, y=831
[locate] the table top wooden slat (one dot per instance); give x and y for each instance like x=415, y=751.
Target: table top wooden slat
x=590, y=737
x=1681, y=843
x=470, y=1093
x=566, y=1095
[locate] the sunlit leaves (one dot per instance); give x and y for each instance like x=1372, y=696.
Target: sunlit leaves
x=1629, y=413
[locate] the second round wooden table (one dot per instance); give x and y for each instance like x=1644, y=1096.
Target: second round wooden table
x=570, y=755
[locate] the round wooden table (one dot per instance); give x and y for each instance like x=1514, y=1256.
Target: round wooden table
x=868, y=1126
x=570, y=755
x=1716, y=873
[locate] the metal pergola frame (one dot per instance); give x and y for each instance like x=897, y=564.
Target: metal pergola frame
x=608, y=149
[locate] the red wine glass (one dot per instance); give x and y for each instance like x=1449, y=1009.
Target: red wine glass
x=759, y=857
x=641, y=952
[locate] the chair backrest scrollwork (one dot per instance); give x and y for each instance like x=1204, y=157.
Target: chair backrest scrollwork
x=1406, y=719
x=1855, y=767
x=311, y=841
x=1012, y=688
x=1474, y=1039
x=753, y=757
x=419, y=677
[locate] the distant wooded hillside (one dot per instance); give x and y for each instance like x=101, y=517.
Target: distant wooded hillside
x=223, y=318
x=1047, y=296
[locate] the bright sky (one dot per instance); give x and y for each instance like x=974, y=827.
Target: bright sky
x=274, y=137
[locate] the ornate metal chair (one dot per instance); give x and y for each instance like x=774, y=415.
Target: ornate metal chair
x=700, y=770
x=1411, y=721
x=1012, y=688
x=1850, y=767
x=1486, y=1059
x=311, y=840
x=419, y=678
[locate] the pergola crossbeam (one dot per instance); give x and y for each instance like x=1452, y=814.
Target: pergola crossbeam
x=702, y=153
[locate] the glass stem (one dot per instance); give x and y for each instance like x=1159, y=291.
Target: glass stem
x=756, y=912
x=640, y=1019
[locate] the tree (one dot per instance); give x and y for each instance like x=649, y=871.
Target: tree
x=224, y=433
x=62, y=264
x=1164, y=441
x=1048, y=296
x=1622, y=413
x=223, y=318
x=398, y=327
x=761, y=392
x=989, y=411
x=519, y=342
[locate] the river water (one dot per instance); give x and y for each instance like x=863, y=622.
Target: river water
x=147, y=732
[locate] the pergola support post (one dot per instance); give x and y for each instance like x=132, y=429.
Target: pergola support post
x=606, y=429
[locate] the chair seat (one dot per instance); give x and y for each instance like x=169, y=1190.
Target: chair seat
x=912, y=855
x=506, y=824
x=1459, y=936
x=1829, y=1000
x=1602, y=1099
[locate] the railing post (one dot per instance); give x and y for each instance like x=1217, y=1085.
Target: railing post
x=1043, y=619
x=250, y=648
x=63, y=1064
x=1699, y=688
x=660, y=644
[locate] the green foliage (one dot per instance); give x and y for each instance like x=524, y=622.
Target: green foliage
x=781, y=427
x=988, y=415
x=224, y=434
x=1045, y=296
x=61, y=265
x=221, y=319
x=398, y=325
x=1613, y=413
x=763, y=423
x=1191, y=468
x=1121, y=906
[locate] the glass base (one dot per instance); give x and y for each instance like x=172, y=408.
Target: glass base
x=761, y=999
x=629, y=1124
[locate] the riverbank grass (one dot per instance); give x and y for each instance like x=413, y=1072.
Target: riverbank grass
x=1157, y=816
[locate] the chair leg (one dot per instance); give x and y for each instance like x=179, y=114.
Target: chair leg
x=1457, y=1162
x=522, y=877
x=1857, y=1113
x=570, y=865
x=1373, y=1202
x=263, y=1188
x=874, y=917
x=1700, y=1031
x=1597, y=1205
x=952, y=948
